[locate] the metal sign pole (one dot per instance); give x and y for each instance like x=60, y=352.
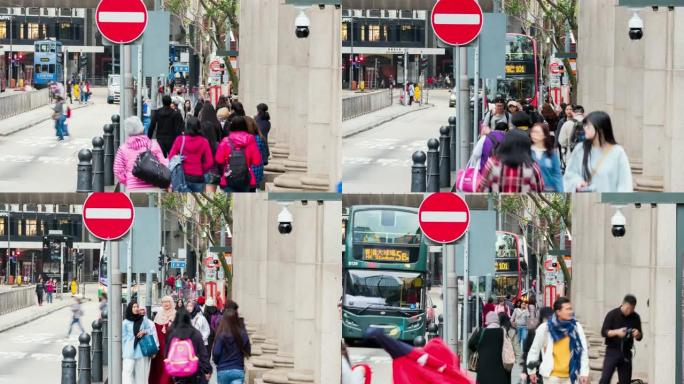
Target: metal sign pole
x=476, y=92
x=115, y=316
x=451, y=298
x=456, y=56
x=61, y=268
x=466, y=294
x=129, y=267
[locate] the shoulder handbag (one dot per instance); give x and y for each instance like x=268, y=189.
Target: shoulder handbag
x=178, y=183
x=468, y=178
x=148, y=346
x=473, y=361
x=148, y=169
x=606, y=152
x=507, y=352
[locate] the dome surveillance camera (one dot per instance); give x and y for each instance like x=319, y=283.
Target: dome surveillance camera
x=285, y=220
x=636, y=27
x=618, y=223
x=302, y=24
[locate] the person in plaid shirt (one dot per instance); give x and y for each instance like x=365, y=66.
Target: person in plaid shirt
x=511, y=169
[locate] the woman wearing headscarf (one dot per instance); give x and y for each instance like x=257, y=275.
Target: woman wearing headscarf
x=488, y=343
x=136, y=366
x=198, y=320
x=162, y=322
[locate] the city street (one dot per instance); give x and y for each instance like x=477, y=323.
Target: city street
x=32, y=353
x=379, y=159
x=33, y=160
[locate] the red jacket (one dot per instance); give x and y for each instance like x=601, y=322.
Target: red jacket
x=245, y=142
x=197, y=157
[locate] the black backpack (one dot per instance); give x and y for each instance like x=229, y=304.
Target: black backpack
x=491, y=116
x=237, y=172
x=578, y=136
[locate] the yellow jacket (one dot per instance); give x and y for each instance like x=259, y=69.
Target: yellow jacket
x=74, y=287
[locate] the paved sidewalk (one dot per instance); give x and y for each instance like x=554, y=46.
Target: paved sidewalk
x=28, y=119
x=26, y=315
x=375, y=119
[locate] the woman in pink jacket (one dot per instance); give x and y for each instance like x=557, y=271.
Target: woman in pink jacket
x=196, y=153
x=240, y=140
x=128, y=153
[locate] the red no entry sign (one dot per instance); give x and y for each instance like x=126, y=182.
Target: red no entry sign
x=457, y=22
x=108, y=216
x=444, y=217
x=121, y=21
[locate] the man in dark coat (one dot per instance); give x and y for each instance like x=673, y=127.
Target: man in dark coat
x=167, y=123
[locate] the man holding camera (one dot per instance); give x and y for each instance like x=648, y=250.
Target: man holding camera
x=621, y=327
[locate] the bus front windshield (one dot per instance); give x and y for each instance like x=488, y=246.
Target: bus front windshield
x=374, y=289
x=505, y=285
x=517, y=88
x=384, y=226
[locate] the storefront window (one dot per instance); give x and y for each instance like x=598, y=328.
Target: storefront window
x=33, y=31
x=374, y=33
x=3, y=30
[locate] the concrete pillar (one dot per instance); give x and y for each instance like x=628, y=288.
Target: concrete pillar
x=305, y=289
x=250, y=229
x=329, y=291
x=286, y=272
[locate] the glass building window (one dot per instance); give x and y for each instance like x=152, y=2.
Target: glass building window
x=33, y=31
x=34, y=11
x=374, y=33
x=65, y=31
x=3, y=30
x=344, y=32
x=30, y=227
x=406, y=33
x=4, y=11
x=65, y=11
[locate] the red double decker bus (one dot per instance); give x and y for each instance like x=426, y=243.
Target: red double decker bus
x=510, y=278
x=522, y=70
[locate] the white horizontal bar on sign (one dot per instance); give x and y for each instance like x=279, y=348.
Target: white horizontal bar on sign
x=108, y=213
x=121, y=17
x=457, y=19
x=442, y=217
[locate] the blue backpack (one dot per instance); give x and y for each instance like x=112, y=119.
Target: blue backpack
x=178, y=183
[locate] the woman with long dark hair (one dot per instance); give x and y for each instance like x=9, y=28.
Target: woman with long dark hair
x=599, y=164
x=550, y=116
x=546, y=157
x=195, y=149
x=512, y=169
x=212, y=130
x=239, y=139
x=231, y=348
x=182, y=330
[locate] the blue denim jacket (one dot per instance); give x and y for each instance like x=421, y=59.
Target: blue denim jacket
x=128, y=338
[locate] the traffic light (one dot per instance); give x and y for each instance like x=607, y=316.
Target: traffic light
x=83, y=61
x=161, y=260
x=423, y=63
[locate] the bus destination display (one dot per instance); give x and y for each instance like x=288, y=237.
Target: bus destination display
x=386, y=255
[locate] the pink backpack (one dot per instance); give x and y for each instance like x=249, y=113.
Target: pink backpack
x=182, y=360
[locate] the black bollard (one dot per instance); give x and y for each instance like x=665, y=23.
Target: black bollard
x=98, y=164
x=419, y=341
x=444, y=153
x=108, y=138
x=418, y=172
x=84, y=177
x=105, y=340
x=117, y=129
x=96, y=363
x=440, y=326
x=68, y=365
x=84, y=359
x=432, y=331
x=452, y=147
x=433, y=166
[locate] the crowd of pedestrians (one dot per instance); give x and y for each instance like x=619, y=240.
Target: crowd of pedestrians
x=181, y=343
x=558, y=150
x=195, y=149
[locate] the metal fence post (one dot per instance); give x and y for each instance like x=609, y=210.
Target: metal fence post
x=68, y=365
x=108, y=138
x=84, y=176
x=96, y=364
x=117, y=127
x=98, y=164
x=444, y=152
x=452, y=147
x=433, y=166
x=418, y=172
x=84, y=359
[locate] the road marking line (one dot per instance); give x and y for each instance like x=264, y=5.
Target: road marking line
x=121, y=17
x=457, y=19
x=443, y=217
x=108, y=213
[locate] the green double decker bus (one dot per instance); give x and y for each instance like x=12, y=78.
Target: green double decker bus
x=385, y=270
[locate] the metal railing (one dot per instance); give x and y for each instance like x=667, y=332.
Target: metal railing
x=22, y=102
x=357, y=105
x=17, y=298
